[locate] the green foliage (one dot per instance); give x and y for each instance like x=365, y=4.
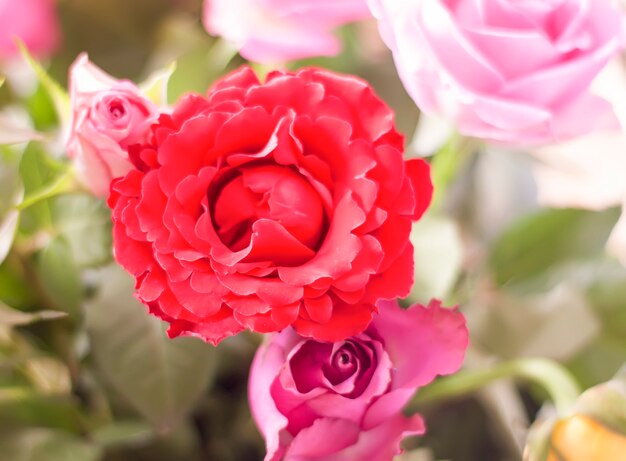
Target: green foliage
x=59, y=276
x=161, y=378
x=87, y=374
x=52, y=92
x=38, y=171
x=46, y=445
x=84, y=223
x=545, y=239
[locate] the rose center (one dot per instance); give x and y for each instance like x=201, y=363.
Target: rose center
x=269, y=192
x=117, y=109
x=343, y=364
x=114, y=111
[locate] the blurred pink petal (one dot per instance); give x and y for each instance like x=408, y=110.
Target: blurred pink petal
x=583, y=173
x=33, y=21
x=274, y=31
x=514, y=72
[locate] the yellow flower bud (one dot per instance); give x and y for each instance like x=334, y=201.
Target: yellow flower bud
x=581, y=438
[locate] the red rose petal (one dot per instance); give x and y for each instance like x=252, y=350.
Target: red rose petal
x=247, y=305
x=393, y=236
x=364, y=265
x=212, y=329
x=151, y=285
x=272, y=242
x=200, y=304
x=418, y=171
x=272, y=290
x=136, y=257
x=338, y=250
x=244, y=77
x=347, y=320
x=396, y=282
x=319, y=309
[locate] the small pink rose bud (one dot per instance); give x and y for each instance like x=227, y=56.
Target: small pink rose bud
x=108, y=116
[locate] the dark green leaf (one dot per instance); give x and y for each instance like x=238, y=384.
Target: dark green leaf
x=546, y=239
x=37, y=171
x=59, y=277
x=14, y=290
x=46, y=445
x=24, y=407
x=85, y=224
x=161, y=378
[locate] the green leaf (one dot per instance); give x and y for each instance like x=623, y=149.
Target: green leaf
x=59, y=277
x=448, y=162
x=539, y=324
x=85, y=224
x=24, y=407
x=46, y=445
x=161, y=378
x=552, y=377
x=599, y=360
x=13, y=317
x=14, y=290
x=543, y=240
x=61, y=184
x=605, y=286
x=40, y=107
x=37, y=171
x=123, y=433
x=57, y=94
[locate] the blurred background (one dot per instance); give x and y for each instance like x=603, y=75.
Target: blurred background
x=86, y=375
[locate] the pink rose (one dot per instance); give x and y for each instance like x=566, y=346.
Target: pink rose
x=281, y=30
x=32, y=21
x=342, y=401
x=108, y=116
x=515, y=71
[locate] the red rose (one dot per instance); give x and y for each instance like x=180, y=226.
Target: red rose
x=271, y=204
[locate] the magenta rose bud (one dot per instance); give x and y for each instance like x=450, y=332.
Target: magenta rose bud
x=342, y=401
x=34, y=22
x=273, y=31
x=108, y=116
x=517, y=72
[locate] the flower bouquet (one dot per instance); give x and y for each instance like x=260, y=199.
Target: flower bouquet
x=312, y=230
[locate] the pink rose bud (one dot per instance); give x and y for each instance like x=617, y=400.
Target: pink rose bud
x=32, y=21
x=343, y=401
x=108, y=116
x=273, y=31
x=512, y=71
